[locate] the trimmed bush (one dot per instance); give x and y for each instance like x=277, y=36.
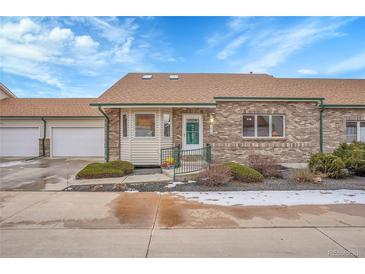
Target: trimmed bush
x=353, y=155
x=215, y=175
x=328, y=164
x=266, y=165
x=356, y=162
x=105, y=170
x=244, y=173
x=345, y=151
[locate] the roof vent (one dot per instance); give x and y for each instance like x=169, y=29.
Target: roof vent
x=147, y=77
x=174, y=77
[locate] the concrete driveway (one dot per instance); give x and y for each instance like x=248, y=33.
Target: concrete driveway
x=100, y=224
x=40, y=173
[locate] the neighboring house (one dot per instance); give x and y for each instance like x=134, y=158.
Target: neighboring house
x=52, y=127
x=237, y=114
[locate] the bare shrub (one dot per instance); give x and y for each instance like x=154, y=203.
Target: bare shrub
x=306, y=176
x=215, y=175
x=266, y=165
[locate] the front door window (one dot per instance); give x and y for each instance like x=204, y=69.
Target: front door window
x=192, y=131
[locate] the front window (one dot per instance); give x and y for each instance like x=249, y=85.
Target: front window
x=355, y=131
x=263, y=126
x=249, y=126
x=145, y=125
x=125, y=125
x=271, y=126
x=277, y=129
x=166, y=124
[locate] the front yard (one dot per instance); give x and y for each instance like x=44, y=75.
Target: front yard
x=285, y=183
x=342, y=169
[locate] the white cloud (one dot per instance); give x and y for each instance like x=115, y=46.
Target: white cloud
x=22, y=51
x=234, y=26
x=354, y=63
x=111, y=29
x=50, y=53
x=278, y=46
x=16, y=30
x=85, y=42
x=30, y=70
x=60, y=34
x=122, y=54
x=231, y=48
x=238, y=23
x=307, y=71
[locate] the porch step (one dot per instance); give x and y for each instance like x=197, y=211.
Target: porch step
x=168, y=172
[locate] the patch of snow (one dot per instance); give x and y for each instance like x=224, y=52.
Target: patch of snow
x=11, y=163
x=173, y=184
x=271, y=198
x=15, y=163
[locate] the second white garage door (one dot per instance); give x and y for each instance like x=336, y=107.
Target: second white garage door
x=77, y=142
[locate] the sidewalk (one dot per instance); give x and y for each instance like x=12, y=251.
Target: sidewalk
x=150, y=178
x=89, y=224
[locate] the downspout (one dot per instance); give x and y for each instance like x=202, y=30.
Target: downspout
x=43, y=141
x=321, y=126
x=44, y=137
x=107, y=134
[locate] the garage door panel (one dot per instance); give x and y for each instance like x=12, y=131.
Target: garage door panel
x=19, y=141
x=77, y=142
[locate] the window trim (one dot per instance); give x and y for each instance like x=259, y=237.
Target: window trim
x=125, y=113
x=163, y=124
x=270, y=126
x=358, y=129
x=135, y=124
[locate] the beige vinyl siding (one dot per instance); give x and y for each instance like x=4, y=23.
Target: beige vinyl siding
x=144, y=150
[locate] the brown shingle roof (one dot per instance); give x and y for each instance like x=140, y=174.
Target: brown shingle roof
x=203, y=87
x=60, y=107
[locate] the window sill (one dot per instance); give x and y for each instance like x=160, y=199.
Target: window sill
x=265, y=138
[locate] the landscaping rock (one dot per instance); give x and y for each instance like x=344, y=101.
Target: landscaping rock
x=120, y=187
x=96, y=188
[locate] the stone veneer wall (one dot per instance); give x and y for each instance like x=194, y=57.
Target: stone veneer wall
x=47, y=150
x=301, y=127
x=177, y=123
x=334, y=125
x=114, y=133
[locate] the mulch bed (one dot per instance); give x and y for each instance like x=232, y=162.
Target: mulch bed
x=352, y=182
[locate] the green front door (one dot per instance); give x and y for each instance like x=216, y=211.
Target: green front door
x=192, y=131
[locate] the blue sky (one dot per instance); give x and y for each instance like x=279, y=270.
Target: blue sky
x=83, y=56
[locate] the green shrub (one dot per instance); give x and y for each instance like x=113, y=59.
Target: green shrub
x=328, y=164
x=353, y=156
x=345, y=151
x=244, y=173
x=105, y=170
x=127, y=167
x=356, y=162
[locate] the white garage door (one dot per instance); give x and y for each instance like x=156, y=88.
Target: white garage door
x=19, y=141
x=77, y=141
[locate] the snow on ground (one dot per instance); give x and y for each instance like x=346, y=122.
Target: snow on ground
x=15, y=163
x=268, y=198
x=173, y=184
